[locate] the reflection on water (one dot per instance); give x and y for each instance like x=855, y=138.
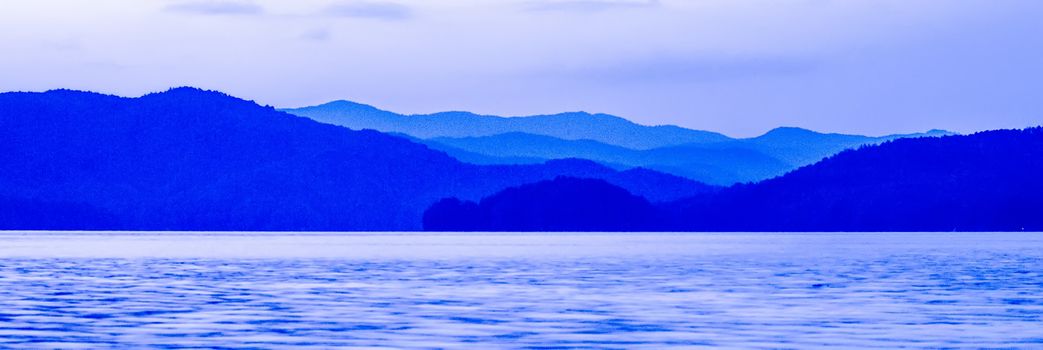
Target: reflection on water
x=521, y=291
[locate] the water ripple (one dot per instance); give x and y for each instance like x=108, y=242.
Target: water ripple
x=885, y=299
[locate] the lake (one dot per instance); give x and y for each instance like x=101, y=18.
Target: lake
x=626, y=291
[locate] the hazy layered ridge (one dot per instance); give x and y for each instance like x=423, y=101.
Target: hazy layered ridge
x=200, y=160
x=521, y=290
x=569, y=126
x=721, y=163
x=699, y=155
x=987, y=181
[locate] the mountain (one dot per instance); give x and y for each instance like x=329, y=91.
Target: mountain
x=517, y=144
x=987, y=181
x=981, y=182
x=717, y=164
x=603, y=128
x=654, y=185
x=562, y=204
x=189, y=159
x=799, y=147
x=613, y=141
x=720, y=163
x=474, y=157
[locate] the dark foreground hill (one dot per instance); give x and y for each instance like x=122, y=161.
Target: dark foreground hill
x=188, y=159
x=982, y=182
x=562, y=204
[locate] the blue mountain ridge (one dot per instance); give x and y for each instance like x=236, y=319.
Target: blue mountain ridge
x=698, y=155
x=713, y=164
x=189, y=159
x=988, y=181
x=569, y=126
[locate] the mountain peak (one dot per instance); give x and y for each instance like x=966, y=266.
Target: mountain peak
x=788, y=130
x=345, y=104
x=71, y=92
x=190, y=90
x=602, y=117
x=188, y=93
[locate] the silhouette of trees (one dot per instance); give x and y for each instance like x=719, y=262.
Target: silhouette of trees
x=562, y=204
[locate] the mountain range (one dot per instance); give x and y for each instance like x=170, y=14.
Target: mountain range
x=698, y=155
x=569, y=126
x=189, y=159
x=988, y=181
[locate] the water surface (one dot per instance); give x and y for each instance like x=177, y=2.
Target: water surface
x=277, y=290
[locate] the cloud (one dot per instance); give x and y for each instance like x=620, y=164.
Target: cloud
x=589, y=5
x=319, y=34
x=216, y=7
x=366, y=9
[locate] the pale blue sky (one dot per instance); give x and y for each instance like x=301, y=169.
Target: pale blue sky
x=736, y=66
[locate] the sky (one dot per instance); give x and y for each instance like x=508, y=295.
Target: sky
x=740, y=67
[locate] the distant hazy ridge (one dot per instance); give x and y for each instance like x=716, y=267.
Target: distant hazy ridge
x=699, y=155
